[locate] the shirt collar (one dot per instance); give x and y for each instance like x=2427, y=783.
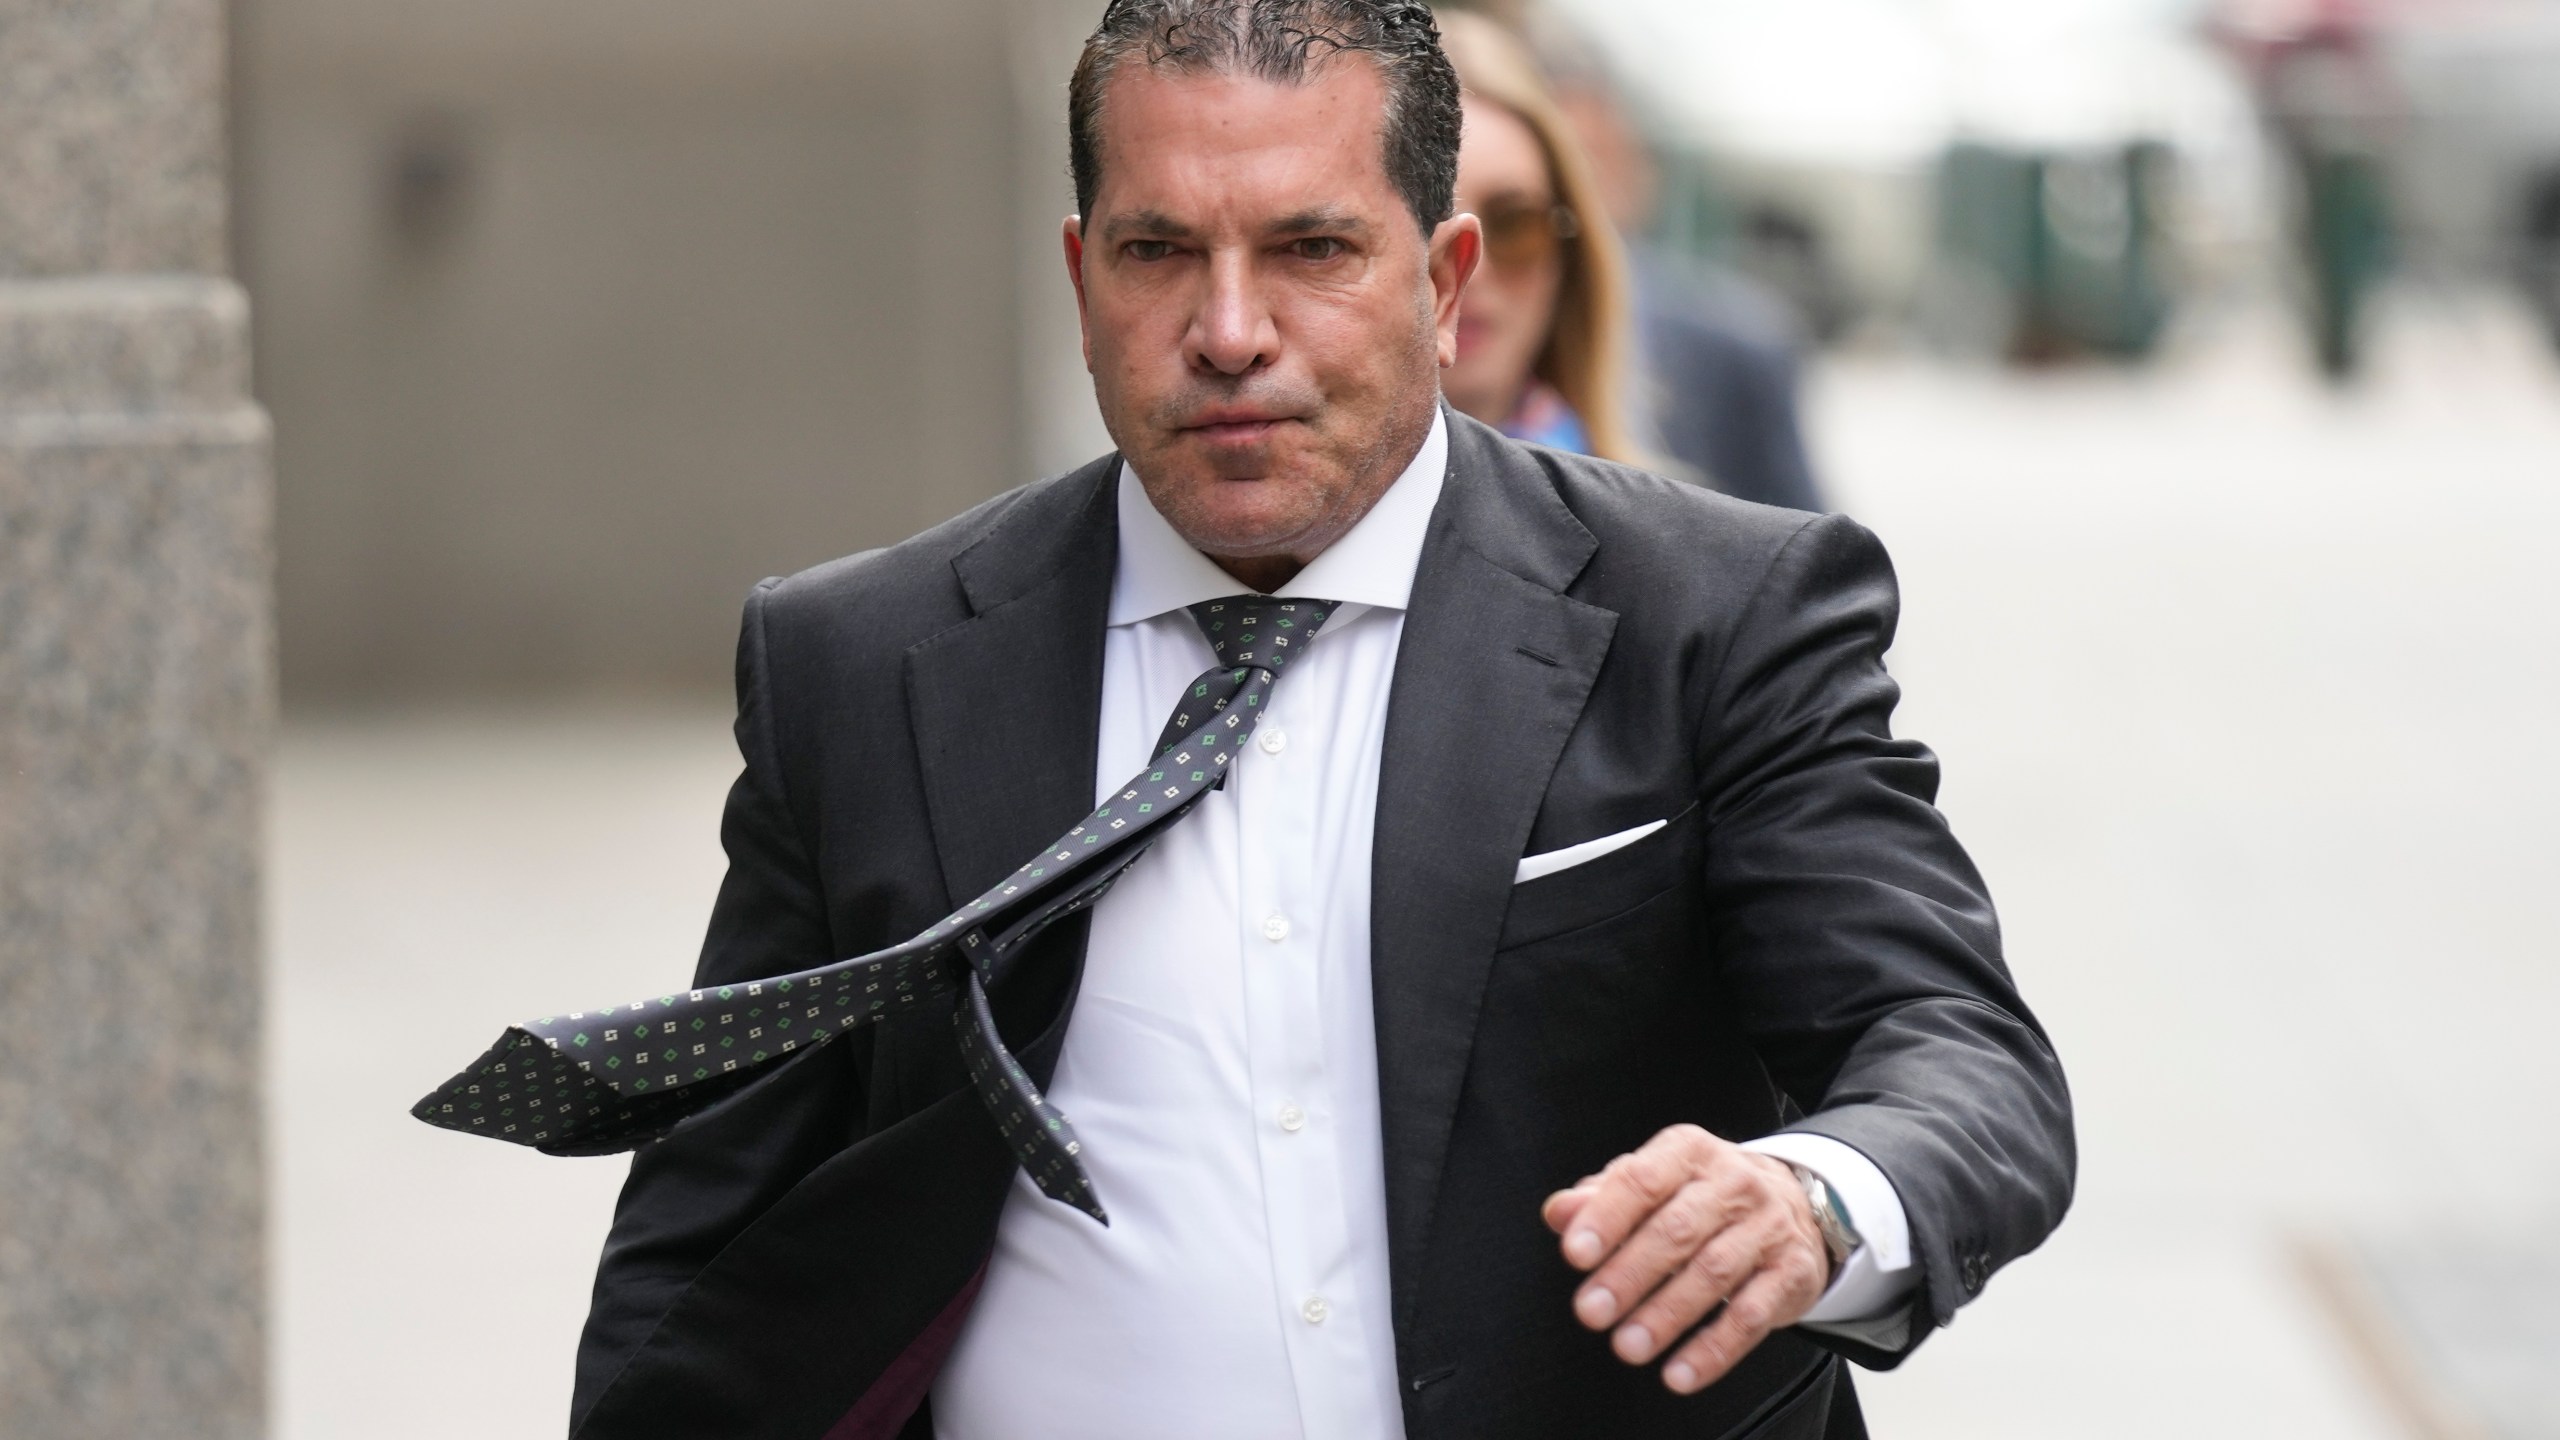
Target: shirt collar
x=1372, y=565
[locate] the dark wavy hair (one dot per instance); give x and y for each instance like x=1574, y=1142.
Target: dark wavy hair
x=1281, y=41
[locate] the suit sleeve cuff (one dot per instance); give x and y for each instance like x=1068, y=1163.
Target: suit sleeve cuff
x=1872, y=1283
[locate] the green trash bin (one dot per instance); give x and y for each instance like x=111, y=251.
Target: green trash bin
x=2067, y=248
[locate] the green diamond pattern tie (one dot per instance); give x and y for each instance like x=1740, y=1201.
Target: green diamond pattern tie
x=594, y=1082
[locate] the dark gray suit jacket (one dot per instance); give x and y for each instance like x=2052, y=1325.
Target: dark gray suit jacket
x=1721, y=361
x=1589, y=648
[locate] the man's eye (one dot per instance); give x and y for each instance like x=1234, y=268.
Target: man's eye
x=1318, y=247
x=1149, y=250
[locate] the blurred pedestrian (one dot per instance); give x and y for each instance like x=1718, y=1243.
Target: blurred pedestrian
x=1545, y=343
x=1720, y=369
x=2325, y=90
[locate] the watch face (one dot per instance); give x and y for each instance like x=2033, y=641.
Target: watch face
x=1838, y=1236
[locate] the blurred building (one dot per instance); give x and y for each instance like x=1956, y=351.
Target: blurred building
x=578, y=318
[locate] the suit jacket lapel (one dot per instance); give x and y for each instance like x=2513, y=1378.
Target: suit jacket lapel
x=1006, y=705
x=1491, y=677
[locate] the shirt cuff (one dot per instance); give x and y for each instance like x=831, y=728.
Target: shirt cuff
x=1873, y=1281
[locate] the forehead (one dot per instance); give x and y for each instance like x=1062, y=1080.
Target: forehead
x=1501, y=155
x=1203, y=147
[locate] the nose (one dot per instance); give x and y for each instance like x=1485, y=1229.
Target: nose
x=1232, y=333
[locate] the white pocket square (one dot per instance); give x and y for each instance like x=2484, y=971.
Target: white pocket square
x=1533, y=866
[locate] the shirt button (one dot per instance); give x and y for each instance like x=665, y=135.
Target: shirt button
x=1274, y=739
x=1292, y=1119
x=1313, y=1310
x=1275, y=928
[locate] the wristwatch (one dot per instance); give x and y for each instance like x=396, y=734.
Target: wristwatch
x=1840, y=1239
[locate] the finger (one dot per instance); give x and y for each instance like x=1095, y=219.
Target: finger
x=1632, y=1187
x=1659, y=1248
x=1777, y=1294
x=1718, y=1269
x=1562, y=1206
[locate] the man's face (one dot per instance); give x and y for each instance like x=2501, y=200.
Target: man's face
x=1263, y=319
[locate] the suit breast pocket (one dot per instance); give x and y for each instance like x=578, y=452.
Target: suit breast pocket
x=1604, y=887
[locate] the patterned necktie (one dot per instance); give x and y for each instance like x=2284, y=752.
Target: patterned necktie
x=600, y=1081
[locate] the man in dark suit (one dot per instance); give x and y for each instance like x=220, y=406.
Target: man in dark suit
x=1719, y=351
x=1570, y=1018
x=1721, y=358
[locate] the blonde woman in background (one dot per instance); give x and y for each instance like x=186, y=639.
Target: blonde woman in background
x=1545, y=331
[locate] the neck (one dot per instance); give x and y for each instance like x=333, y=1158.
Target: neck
x=1265, y=573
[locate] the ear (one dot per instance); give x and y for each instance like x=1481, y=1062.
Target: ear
x=1072, y=234
x=1457, y=247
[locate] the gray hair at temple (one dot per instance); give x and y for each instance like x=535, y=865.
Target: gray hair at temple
x=1281, y=41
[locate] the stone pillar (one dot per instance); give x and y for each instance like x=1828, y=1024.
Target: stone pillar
x=134, y=711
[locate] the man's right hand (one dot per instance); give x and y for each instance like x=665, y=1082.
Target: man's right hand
x=1669, y=1232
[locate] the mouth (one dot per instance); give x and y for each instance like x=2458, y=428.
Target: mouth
x=1234, y=427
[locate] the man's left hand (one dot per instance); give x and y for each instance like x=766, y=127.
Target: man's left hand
x=1672, y=1229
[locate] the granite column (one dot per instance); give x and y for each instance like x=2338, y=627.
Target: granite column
x=135, y=684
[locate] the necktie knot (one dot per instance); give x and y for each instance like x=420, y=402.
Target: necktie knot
x=1260, y=631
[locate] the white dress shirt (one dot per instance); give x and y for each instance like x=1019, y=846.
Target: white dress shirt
x=1221, y=1063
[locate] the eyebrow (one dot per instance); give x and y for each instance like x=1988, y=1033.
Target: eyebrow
x=1144, y=222
x=1307, y=222
x=1157, y=224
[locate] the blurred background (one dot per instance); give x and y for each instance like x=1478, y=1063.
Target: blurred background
x=2199, y=363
